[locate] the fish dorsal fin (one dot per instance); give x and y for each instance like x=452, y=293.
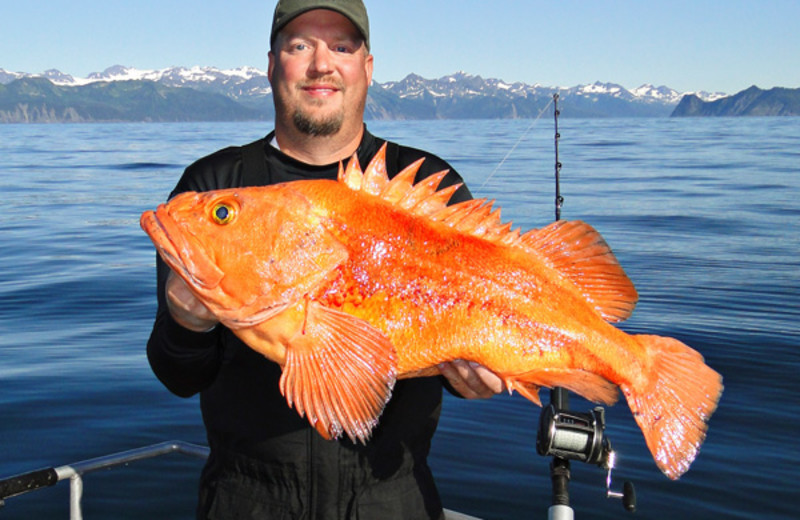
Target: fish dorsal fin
x=375, y=176
x=475, y=217
x=401, y=183
x=421, y=191
x=577, y=251
x=423, y=198
x=573, y=248
x=352, y=174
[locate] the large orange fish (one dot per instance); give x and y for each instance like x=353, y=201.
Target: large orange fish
x=351, y=284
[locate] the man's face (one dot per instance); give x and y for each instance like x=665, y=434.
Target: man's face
x=320, y=70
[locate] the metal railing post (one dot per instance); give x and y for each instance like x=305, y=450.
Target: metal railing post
x=75, y=496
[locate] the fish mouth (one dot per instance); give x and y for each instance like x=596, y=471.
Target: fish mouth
x=180, y=250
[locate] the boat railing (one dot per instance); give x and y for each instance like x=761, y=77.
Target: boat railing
x=42, y=478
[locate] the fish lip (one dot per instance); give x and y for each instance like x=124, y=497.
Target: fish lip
x=175, y=248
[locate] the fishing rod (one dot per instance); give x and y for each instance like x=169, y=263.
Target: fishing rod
x=567, y=435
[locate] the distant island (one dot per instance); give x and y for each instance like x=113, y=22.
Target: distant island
x=750, y=102
x=209, y=94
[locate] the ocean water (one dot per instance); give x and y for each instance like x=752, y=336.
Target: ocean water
x=704, y=214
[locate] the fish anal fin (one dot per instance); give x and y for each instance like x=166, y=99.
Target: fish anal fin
x=673, y=402
x=578, y=252
x=339, y=373
x=586, y=384
x=529, y=391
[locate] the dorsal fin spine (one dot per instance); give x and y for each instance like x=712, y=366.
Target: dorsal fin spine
x=460, y=211
x=375, y=176
x=401, y=183
x=435, y=201
x=352, y=175
x=422, y=190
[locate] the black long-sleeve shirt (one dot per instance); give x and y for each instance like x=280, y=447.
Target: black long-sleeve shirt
x=264, y=456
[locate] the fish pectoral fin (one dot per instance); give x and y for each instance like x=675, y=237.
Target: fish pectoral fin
x=586, y=384
x=577, y=251
x=339, y=372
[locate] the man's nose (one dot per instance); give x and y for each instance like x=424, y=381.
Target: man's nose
x=322, y=61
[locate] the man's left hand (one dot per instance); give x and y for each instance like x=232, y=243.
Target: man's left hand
x=471, y=380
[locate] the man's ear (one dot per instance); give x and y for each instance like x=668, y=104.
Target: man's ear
x=368, y=63
x=270, y=65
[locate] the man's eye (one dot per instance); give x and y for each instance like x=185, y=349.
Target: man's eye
x=300, y=46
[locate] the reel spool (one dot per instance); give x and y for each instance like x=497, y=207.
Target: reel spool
x=569, y=435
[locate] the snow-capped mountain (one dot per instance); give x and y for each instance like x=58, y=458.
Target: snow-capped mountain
x=456, y=96
x=242, y=83
x=519, y=99
x=463, y=84
x=458, y=84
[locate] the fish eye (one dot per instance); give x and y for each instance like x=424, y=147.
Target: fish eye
x=222, y=213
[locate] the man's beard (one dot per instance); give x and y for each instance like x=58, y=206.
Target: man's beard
x=317, y=127
x=323, y=125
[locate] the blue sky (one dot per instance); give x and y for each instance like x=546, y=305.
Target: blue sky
x=722, y=46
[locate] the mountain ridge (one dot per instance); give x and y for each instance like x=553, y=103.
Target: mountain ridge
x=456, y=96
x=753, y=101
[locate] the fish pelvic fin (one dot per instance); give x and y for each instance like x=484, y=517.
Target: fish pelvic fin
x=674, y=403
x=339, y=373
x=579, y=253
x=584, y=383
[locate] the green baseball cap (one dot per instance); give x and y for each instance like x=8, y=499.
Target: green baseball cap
x=287, y=10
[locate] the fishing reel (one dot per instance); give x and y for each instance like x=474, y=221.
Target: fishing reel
x=568, y=435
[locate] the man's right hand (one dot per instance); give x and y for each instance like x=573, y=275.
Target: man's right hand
x=185, y=308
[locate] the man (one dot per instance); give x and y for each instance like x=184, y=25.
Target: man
x=266, y=461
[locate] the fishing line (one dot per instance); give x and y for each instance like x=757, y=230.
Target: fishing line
x=521, y=137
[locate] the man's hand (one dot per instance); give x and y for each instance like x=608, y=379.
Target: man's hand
x=471, y=380
x=185, y=308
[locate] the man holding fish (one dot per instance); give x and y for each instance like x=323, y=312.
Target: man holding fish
x=266, y=461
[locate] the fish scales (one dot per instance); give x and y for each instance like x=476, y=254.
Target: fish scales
x=439, y=294
x=444, y=282
x=352, y=284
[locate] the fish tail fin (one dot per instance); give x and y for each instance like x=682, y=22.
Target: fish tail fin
x=339, y=372
x=674, y=403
